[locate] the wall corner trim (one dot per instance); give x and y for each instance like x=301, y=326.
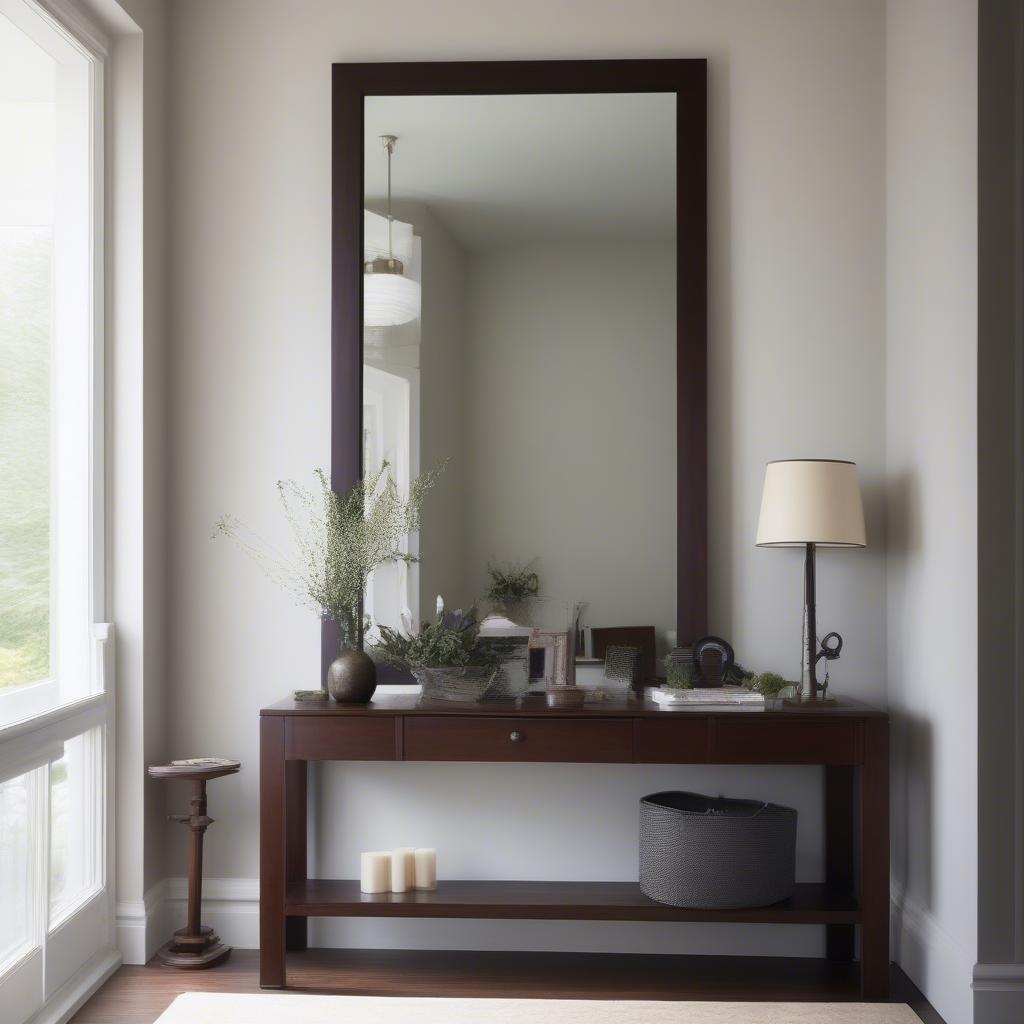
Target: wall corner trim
x=140, y=924
x=998, y=993
x=998, y=978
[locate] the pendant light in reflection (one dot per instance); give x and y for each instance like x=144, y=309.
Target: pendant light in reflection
x=389, y=297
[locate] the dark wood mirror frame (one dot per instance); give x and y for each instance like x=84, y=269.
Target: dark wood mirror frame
x=686, y=78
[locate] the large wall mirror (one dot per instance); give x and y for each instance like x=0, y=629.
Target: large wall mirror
x=520, y=295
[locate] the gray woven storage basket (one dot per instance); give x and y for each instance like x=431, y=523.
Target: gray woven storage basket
x=714, y=853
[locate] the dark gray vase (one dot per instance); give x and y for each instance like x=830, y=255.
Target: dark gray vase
x=352, y=677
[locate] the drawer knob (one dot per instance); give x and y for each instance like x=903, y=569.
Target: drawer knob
x=516, y=736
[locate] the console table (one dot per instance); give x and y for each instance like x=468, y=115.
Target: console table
x=849, y=738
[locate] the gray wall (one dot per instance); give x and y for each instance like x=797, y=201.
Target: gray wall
x=931, y=451
x=999, y=974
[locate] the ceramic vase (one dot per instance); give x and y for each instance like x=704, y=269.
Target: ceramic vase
x=352, y=677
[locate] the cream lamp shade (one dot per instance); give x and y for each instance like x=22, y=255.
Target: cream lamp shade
x=811, y=501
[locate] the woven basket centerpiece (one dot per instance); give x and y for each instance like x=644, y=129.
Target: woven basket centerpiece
x=466, y=684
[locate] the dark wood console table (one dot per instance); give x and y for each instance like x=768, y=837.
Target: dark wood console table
x=850, y=739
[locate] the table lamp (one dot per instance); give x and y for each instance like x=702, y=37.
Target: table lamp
x=811, y=503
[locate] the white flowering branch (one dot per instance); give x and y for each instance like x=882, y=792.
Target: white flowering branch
x=339, y=539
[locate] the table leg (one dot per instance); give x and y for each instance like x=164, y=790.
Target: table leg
x=839, y=852
x=295, y=846
x=272, y=851
x=874, y=861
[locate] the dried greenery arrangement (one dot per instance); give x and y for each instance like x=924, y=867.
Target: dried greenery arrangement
x=680, y=676
x=451, y=642
x=340, y=539
x=511, y=584
x=771, y=684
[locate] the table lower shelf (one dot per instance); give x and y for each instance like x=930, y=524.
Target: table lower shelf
x=811, y=903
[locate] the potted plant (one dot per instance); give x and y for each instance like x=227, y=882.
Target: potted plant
x=340, y=539
x=510, y=588
x=448, y=658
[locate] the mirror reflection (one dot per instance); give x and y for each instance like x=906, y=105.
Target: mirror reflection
x=519, y=325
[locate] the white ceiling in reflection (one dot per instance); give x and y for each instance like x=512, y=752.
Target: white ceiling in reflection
x=507, y=169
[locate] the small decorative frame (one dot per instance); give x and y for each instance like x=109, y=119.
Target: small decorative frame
x=557, y=647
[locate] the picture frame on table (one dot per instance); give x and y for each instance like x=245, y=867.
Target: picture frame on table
x=552, y=657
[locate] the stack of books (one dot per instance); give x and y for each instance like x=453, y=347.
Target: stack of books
x=718, y=697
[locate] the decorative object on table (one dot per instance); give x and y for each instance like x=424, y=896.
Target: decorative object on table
x=375, y=871
x=705, y=696
x=426, y=868
x=715, y=853
x=510, y=645
x=812, y=503
x=512, y=678
x=555, y=657
x=565, y=698
x=714, y=657
x=510, y=587
x=195, y=946
x=403, y=869
x=680, y=668
x=623, y=664
x=736, y=675
x=770, y=684
x=341, y=539
x=642, y=637
x=512, y=591
x=397, y=871
x=577, y=624
x=448, y=658
x=310, y=696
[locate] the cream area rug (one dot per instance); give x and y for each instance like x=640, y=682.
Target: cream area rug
x=224, y=1008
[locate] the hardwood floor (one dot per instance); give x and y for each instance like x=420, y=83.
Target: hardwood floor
x=138, y=995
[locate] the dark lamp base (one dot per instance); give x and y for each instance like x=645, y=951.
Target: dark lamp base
x=810, y=702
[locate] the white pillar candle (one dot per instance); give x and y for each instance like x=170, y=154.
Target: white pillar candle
x=426, y=869
x=375, y=872
x=403, y=869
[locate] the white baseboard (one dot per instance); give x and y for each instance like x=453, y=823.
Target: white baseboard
x=78, y=988
x=231, y=907
x=998, y=993
x=142, y=924
x=936, y=963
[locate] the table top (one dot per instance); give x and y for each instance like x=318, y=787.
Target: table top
x=412, y=704
x=195, y=769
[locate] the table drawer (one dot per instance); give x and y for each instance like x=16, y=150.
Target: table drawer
x=804, y=742
x=518, y=739
x=333, y=738
x=679, y=740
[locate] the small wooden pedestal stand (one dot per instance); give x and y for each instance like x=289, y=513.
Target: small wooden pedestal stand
x=194, y=946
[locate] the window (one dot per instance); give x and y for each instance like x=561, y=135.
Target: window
x=75, y=850
x=47, y=328
x=55, y=906
x=19, y=804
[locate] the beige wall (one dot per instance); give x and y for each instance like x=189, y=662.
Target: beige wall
x=797, y=234
x=931, y=441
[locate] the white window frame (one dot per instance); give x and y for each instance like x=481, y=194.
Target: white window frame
x=79, y=944
x=35, y=700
